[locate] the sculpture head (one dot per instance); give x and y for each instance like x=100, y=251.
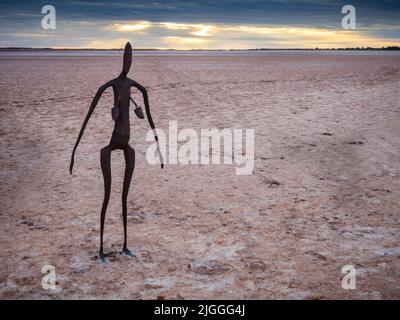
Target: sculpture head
x=127, y=60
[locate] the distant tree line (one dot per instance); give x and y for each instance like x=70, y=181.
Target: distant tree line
x=142, y=49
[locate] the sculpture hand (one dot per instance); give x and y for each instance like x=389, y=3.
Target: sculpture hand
x=71, y=166
x=161, y=158
x=159, y=153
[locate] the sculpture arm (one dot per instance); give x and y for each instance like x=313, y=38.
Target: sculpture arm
x=148, y=115
x=91, y=109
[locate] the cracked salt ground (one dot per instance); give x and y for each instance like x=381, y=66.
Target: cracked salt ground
x=209, y=267
x=314, y=203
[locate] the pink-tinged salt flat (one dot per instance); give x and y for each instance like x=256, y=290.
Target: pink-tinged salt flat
x=325, y=190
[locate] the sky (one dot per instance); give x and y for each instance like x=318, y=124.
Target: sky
x=200, y=24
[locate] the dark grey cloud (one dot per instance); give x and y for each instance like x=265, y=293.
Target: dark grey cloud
x=20, y=20
x=300, y=12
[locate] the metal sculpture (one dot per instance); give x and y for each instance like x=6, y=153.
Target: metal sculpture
x=119, y=140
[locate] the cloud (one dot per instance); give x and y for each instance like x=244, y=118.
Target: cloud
x=206, y=24
x=199, y=30
x=185, y=43
x=191, y=36
x=135, y=26
x=107, y=44
x=203, y=32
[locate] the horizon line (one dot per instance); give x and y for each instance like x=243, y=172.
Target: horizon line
x=175, y=49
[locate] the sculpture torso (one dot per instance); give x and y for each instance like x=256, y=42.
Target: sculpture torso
x=122, y=92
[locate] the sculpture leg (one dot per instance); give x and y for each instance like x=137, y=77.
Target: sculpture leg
x=105, y=157
x=129, y=154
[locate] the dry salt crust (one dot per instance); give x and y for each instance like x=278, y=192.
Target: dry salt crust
x=324, y=193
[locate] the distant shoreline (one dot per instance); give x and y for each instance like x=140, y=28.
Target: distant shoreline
x=150, y=49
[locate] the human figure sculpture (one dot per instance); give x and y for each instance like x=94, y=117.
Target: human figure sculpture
x=119, y=140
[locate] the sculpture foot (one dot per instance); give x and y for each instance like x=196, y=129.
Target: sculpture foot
x=103, y=259
x=128, y=253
